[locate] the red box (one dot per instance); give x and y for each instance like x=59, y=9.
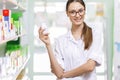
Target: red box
x=6, y=12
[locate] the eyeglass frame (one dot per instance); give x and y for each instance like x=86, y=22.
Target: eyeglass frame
x=74, y=13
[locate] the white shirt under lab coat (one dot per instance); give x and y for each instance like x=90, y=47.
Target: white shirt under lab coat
x=70, y=53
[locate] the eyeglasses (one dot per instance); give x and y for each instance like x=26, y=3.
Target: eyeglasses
x=74, y=13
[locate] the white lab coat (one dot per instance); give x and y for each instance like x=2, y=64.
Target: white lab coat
x=70, y=53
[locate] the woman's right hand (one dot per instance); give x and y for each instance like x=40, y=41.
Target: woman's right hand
x=44, y=37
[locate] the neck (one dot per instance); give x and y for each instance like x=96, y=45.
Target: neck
x=77, y=31
x=77, y=28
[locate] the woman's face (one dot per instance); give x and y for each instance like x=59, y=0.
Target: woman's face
x=76, y=13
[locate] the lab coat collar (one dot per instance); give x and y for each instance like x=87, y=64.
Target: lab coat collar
x=71, y=38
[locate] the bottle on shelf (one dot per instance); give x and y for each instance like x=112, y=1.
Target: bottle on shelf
x=6, y=22
x=0, y=27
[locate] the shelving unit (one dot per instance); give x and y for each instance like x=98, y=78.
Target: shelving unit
x=15, y=37
x=14, y=76
x=20, y=69
x=14, y=7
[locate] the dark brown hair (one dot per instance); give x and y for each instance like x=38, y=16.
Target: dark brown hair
x=70, y=1
x=87, y=31
x=87, y=36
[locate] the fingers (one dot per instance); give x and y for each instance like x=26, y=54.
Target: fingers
x=43, y=36
x=43, y=31
x=40, y=31
x=52, y=71
x=46, y=34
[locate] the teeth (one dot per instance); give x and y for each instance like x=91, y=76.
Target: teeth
x=77, y=20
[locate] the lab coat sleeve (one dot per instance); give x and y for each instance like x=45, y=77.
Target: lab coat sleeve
x=96, y=50
x=58, y=53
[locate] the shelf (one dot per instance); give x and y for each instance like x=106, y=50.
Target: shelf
x=15, y=75
x=11, y=72
x=22, y=67
x=12, y=5
x=4, y=41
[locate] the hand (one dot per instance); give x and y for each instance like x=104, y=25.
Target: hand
x=44, y=37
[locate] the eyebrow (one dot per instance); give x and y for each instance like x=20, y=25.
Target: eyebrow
x=76, y=10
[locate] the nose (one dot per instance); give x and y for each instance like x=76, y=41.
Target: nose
x=77, y=14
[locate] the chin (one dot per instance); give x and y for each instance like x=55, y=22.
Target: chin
x=78, y=23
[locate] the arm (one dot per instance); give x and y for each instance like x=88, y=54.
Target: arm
x=94, y=57
x=56, y=68
x=85, y=68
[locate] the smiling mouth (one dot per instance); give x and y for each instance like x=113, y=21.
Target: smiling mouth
x=78, y=20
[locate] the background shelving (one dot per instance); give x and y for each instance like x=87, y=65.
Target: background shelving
x=18, y=71
x=15, y=37
x=21, y=68
x=13, y=5
x=16, y=58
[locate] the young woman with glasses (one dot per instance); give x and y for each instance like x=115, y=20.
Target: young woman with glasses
x=77, y=53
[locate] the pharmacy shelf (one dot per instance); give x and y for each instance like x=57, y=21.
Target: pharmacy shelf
x=15, y=75
x=12, y=5
x=15, y=37
x=21, y=68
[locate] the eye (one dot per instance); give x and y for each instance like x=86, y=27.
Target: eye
x=72, y=12
x=81, y=10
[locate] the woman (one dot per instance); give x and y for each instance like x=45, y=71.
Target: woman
x=76, y=53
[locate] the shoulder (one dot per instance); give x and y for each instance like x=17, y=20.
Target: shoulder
x=97, y=35
x=96, y=28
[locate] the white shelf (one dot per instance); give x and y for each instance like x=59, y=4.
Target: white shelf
x=15, y=37
x=22, y=67
x=12, y=5
x=15, y=75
